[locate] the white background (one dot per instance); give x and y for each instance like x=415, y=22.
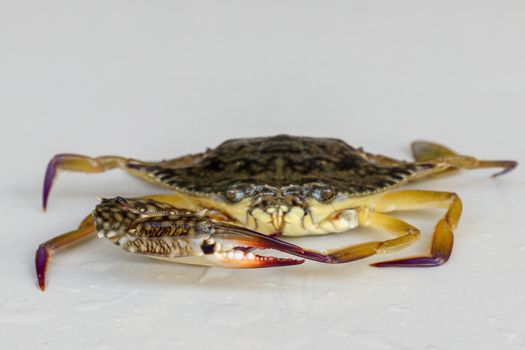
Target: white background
x=158, y=79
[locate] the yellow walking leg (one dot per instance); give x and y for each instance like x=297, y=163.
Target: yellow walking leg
x=406, y=234
x=442, y=240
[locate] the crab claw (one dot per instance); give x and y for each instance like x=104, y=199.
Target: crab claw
x=225, y=246
x=237, y=242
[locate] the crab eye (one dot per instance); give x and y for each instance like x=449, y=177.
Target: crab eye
x=327, y=193
x=234, y=195
x=324, y=194
x=120, y=200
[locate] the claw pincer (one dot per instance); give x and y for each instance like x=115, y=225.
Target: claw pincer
x=158, y=230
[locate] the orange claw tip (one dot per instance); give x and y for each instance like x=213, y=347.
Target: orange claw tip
x=41, y=260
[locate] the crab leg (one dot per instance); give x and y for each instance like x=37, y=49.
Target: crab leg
x=85, y=164
x=406, y=235
x=506, y=165
x=443, y=238
x=448, y=160
x=77, y=163
x=46, y=249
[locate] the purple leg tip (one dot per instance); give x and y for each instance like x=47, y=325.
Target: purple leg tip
x=510, y=165
x=41, y=259
x=50, y=176
x=423, y=261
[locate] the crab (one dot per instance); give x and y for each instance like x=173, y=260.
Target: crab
x=248, y=194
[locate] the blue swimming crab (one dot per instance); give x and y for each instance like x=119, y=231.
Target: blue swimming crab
x=247, y=194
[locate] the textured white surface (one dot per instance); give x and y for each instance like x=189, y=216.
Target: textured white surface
x=156, y=79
